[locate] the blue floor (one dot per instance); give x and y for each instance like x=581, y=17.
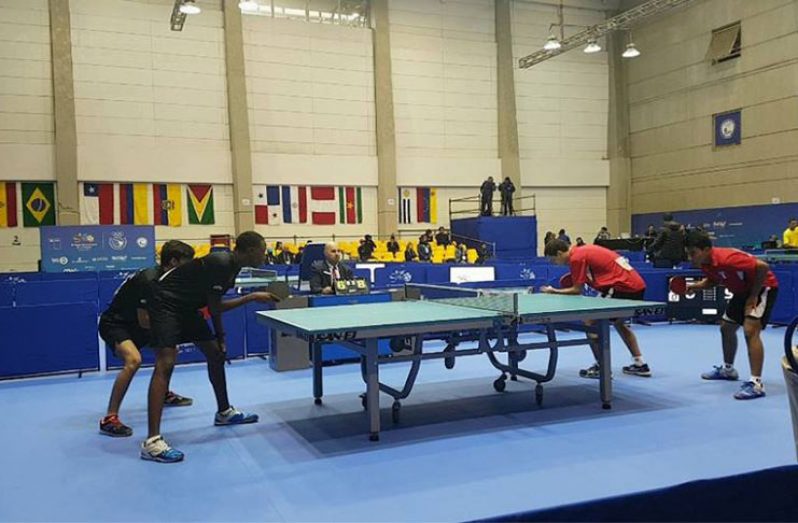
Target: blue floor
x=460, y=452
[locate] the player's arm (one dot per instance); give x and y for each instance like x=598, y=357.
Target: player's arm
x=576, y=290
x=260, y=297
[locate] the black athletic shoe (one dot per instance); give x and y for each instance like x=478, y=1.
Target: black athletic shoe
x=176, y=400
x=111, y=426
x=638, y=370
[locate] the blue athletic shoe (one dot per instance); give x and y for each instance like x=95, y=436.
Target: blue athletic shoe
x=720, y=372
x=750, y=391
x=233, y=416
x=157, y=449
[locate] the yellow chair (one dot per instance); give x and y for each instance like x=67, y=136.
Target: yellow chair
x=472, y=255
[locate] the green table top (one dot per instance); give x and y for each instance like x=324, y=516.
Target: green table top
x=480, y=310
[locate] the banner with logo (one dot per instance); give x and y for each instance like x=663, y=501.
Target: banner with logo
x=728, y=128
x=730, y=226
x=97, y=248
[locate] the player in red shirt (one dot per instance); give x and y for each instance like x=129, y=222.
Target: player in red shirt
x=754, y=288
x=611, y=275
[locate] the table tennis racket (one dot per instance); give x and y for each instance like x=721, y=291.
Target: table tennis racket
x=678, y=285
x=566, y=281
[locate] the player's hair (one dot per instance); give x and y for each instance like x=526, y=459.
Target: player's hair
x=697, y=240
x=175, y=250
x=555, y=247
x=793, y=219
x=249, y=240
x=667, y=217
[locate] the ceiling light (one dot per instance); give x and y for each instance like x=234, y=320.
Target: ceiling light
x=631, y=51
x=552, y=43
x=248, y=5
x=592, y=46
x=189, y=8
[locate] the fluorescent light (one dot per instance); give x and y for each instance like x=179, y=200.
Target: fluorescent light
x=592, y=46
x=552, y=43
x=248, y=5
x=631, y=51
x=189, y=8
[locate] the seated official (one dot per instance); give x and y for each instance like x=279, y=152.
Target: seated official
x=324, y=273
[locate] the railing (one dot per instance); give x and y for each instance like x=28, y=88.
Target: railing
x=472, y=206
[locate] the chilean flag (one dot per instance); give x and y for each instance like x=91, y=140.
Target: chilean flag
x=98, y=204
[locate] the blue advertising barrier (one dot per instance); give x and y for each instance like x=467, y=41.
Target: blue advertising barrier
x=26, y=348
x=95, y=248
x=729, y=226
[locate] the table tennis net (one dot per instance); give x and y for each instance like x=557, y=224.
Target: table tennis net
x=506, y=303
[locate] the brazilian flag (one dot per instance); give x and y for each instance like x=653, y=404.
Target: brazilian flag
x=38, y=204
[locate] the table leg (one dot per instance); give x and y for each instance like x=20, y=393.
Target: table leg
x=318, y=389
x=373, y=389
x=605, y=365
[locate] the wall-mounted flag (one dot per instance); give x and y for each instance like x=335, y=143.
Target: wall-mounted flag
x=728, y=128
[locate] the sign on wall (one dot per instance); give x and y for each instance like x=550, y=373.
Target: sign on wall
x=728, y=128
x=97, y=248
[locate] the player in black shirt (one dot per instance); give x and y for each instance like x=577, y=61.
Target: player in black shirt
x=125, y=327
x=175, y=319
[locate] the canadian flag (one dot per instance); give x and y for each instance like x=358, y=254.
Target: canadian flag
x=323, y=206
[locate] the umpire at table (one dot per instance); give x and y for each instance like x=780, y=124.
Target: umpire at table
x=324, y=273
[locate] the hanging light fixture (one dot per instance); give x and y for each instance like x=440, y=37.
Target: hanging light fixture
x=592, y=46
x=552, y=44
x=631, y=51
x=248, y=5
x=188, y=7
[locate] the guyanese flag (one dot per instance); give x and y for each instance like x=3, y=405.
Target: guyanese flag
x=200, y=204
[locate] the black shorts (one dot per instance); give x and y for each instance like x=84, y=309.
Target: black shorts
x=171, y=329
x=115, y=330
x=735, y=310
x=618, y=295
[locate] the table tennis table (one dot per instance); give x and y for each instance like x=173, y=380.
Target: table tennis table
x=489, y=318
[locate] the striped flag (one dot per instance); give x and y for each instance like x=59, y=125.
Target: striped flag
x=426, y=205
x=167, y=208
x=200, y=204
x=294, y=202
x=418, y=205
x=8, y=204
x=134, y=204
x=350, y=205
x=97, y=206
x=406, y=206
x=322, y=205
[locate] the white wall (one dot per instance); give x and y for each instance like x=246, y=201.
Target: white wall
x=562, y=108
x=444, y=79
x=310, y=90
x=150, y=103
x=26, y=115
x=674, y=91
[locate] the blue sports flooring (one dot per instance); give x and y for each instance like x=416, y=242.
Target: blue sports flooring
x=461, y=451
